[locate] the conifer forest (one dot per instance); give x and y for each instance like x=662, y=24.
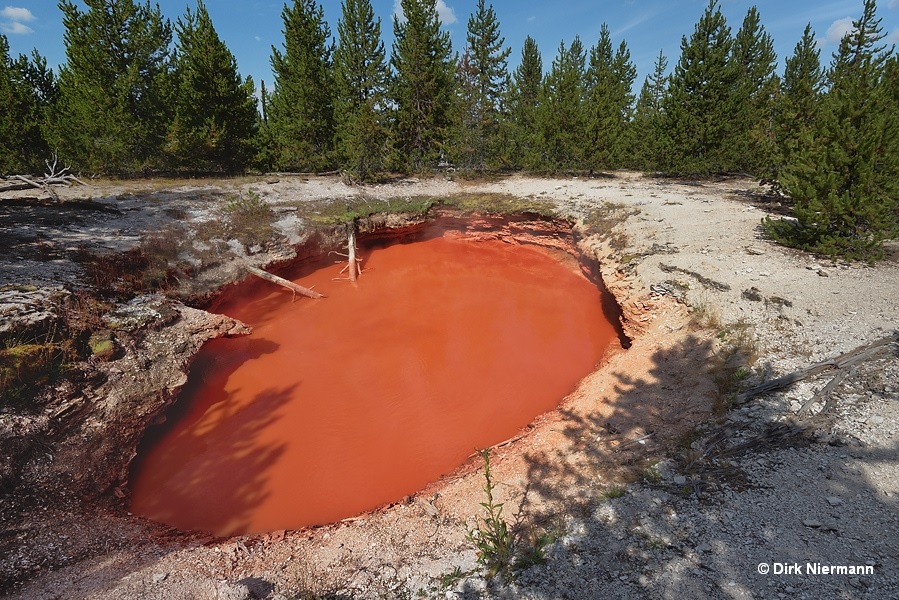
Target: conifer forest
x=141, y=94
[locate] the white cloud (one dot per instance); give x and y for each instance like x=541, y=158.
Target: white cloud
x=894, y=3
x=17, y=15
x=531, y=19
x=446, y=14
x=837, y=30
x=893, y=38
x=15, y=19
x=14, y=28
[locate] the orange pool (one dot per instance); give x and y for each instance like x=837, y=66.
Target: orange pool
x=333, y=407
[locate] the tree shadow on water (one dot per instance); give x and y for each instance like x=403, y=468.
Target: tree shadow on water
x=206, y=467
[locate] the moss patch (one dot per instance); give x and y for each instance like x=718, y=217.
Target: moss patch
x=25, y=367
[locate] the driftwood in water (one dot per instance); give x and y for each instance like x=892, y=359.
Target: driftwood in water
x=853, y=357
x=297, y=289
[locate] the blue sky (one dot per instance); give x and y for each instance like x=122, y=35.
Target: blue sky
x=250, y=28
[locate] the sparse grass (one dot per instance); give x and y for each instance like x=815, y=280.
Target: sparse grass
x=704, y=315
x=248, y=218
x=336, y=212
x=25, y=366
x=310, y=582
x=500, y=204
x=736, y=352
x=152, y=266
x=612, y=493
x=652, y=542
x=29, y=361
x=604, y=221
x=652, y=475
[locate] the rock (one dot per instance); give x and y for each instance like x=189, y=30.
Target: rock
x=160, y=577
x=813, y=523
x=834, y=501
x=227, y=591
x=823, y=273
x=26, y=312
x=680, y=479
x=753, y=294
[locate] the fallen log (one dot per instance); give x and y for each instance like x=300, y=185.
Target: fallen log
x=296, y=289
x=855, y=356
x=824, y=394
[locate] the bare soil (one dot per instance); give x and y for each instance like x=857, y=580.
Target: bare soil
x=648, y=481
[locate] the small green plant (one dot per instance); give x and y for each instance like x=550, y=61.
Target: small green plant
x=732, y=361
x=492, y=536
x=652, y=474
x=534, y=552
x=448, y=580
x=249, y=218
x=612, y=493
x=502, y=548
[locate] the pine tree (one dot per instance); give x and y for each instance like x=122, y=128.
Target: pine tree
x=646, y=133
x=484, y=80
x=890, y=90
x=361, y=84
x=843, y=177
x=465, y=148
x=265, y=142
x=27, y=91
x=422, y=87
x=753, y=143
x=301, y=106
x=609, y=102
x=215, y=109
x=561, y=118
x=114, y=90
x=699, y=106
x=798, y=102
x=524, y=95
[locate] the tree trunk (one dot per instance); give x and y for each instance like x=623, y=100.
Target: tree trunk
x=351, y=250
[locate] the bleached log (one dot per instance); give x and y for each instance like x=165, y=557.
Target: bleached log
x=309, y=293
x=860, y=354
x=351, y=250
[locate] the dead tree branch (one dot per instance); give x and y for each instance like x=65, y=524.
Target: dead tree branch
x=853, y=357
x=54, y=176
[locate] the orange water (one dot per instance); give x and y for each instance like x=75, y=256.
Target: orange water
x=333, y=407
